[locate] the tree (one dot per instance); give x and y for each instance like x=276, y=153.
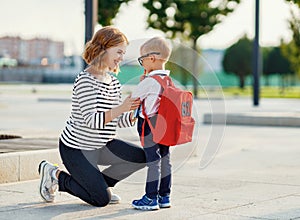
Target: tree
x=276, y=63
x=179, y=63
x=238, y=59
x=188, y=20
x=294, y=1
x=107, y=10
x=265, y=54
x=291, y=50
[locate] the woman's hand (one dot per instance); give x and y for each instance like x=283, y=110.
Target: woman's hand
x=130, y=104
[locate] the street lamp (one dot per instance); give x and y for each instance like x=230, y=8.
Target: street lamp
x=91, y=17
x=256, y=57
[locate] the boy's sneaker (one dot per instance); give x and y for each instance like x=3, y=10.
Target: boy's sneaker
x=164, y=201
x=145, y=203
x=48, y=184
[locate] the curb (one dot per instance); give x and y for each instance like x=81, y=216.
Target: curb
x=21, y=166
x=254, y=119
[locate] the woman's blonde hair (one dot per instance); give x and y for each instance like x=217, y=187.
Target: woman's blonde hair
x=95, y=49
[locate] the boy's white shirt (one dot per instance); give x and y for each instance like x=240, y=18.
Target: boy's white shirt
x=149, y=90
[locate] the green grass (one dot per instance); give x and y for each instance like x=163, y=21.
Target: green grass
x=265, y=92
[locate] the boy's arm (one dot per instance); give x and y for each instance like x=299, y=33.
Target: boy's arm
x=143, y=89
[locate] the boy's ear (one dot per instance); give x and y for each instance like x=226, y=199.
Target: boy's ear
x=152, y=58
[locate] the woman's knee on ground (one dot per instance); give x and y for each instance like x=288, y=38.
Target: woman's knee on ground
x=101, y=200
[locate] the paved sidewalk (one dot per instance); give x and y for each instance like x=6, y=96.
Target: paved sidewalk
x=227, y=172
x=255, y=175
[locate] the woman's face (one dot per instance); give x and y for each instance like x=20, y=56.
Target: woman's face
x=115, y=55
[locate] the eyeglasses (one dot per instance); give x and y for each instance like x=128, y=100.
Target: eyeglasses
x=140, y=59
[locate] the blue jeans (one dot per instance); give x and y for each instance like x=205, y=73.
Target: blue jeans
x=86, y=181
x=158, y=163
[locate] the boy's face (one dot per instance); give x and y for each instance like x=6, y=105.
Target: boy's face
x=147, y=60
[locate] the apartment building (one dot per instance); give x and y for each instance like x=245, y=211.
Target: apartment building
x=36, y=51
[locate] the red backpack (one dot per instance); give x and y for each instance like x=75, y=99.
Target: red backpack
x=174, y=124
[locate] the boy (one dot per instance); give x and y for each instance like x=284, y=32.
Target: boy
x=154, y=55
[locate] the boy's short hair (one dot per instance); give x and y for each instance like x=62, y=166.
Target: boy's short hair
x=157, y=44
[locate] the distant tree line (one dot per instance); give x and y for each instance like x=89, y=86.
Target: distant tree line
x=238, y=60
x=282, y=60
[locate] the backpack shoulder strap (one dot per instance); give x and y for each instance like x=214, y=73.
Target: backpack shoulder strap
x=143, y=125
x=164, y=82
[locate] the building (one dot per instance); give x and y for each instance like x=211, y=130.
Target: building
x=36, y=51
x=10, y=47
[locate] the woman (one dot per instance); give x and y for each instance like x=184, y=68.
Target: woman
x=88, y=139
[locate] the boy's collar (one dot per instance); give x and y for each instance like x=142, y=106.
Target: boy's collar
x=156, y=72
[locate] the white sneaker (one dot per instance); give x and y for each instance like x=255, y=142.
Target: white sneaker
x=114, y=198
x=48, y=184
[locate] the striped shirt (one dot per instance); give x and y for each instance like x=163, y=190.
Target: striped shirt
x=91, y=98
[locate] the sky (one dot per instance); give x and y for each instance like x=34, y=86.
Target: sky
x=63, y=20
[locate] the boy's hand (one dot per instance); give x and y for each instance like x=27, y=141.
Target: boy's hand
x=143, y=76
x=132, y=118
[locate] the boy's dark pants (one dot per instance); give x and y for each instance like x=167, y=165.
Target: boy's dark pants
x=158, y=163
